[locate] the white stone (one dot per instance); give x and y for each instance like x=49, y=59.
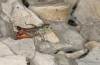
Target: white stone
x=13, y=60
x=23, y=17
x=7, y=7
x=43, y=59
x=23, y=47
x=5, y=50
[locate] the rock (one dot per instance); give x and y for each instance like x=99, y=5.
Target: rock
x=62, y=60
x=4, y=50
x=50, y=48
x=6, y=29
x=68, y=36
x=92, y=44
x=76, y=54
x=43, y=59
x=26, y=19
x=93, y=58
x=89, y=33
x=87, y=12
x=21, y=16
x=74, y=38
x=7, y=10
x=53, y=12
x=96, y=26
x=13, y=60
x=23, y=47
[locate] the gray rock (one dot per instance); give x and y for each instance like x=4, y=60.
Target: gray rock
x=68, y=35
x=87, y=12
x=76, y=54
x=23, y=47
x=90, y=33
x=93, y=58
x=63, y=60
x=43, y=59
x=50, y=48
x=4, y=50
x=13, y=60
x=6, y=29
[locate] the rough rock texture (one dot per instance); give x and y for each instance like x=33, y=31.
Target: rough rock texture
x=68, y=35
x=43, y=59
x=4, y=50
x=53, y=12
x=62, y=60
x=13, y=60
x=88, y=12
x=23, y=17
x=50, y=48
x=76, y=54
x=6, y=29
x=20, y=15
x=89, y=33
x=92, y=44
x=23, y=47
x=93, y=58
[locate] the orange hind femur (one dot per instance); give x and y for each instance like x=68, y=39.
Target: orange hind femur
x=22, y=33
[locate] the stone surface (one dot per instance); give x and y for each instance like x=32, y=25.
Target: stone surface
x=93, y=58
x=5, y=9
x=89, y=33
x=6, y=29
x=53, y=12
x=5, y=50
x=62, y=60
x=43, y=59
x=23, y=47
x=50, y=48
x=76, y=54
x=92, y=44
x=68, y=36
x=13, y=60
x=87, y=12
x=23, y=17
x=26, y=19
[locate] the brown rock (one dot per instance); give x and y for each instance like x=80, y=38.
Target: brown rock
x=92, y=44
x=53, y=12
